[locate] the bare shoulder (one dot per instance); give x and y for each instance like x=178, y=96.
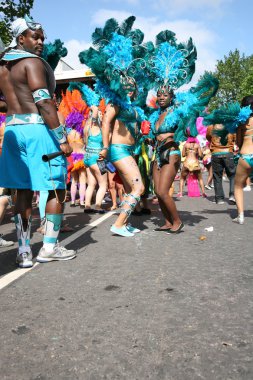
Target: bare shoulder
x=112, y=109
x=33, y=63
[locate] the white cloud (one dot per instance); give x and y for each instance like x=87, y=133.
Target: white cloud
x=203, y=38
x=74, y=48
x=180, y=6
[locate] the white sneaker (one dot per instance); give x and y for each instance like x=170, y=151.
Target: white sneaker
x=5, y=243
x=238, y=220
x=208, y=187
x=247, y=188
x=220, y=202
x=232, y=200
x=58, y=254
x=24, y=259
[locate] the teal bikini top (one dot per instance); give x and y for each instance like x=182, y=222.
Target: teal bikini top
x=169, y=124
x=129, y=116
x=95, y=141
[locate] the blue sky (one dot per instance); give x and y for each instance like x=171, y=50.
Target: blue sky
x=216, y=26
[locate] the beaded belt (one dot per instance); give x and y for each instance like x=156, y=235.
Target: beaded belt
x=27, y=118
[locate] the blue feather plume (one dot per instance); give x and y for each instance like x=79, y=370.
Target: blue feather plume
x=119, y=50
x=88, y=95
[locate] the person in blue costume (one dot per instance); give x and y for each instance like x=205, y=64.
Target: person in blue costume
x=172, y=65
x=32, y=129
x=164, y=172
x=119, y=60
x=245, y=164
x=119, y=129
x=94, y=144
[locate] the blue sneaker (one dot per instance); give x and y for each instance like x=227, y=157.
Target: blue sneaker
x=132, y=229
x=122, y=231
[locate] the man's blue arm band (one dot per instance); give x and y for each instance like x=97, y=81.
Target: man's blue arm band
x=41, y=94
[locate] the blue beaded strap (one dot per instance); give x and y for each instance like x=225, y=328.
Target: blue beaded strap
x=60, y=134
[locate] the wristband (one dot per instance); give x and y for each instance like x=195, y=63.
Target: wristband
x=60, y=134
x=40, y=94
x=105, y=148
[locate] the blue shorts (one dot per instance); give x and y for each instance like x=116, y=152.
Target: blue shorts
x=90, y=159
x=118, y=151
x=21, y=165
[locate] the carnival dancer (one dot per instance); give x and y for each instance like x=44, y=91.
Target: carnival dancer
x=164, y=171
x=95, y=174
x=173, y=65
x=32, y=129
x=76, y=112
x=93, y=143
x=191, y=165
x=118, y=75
x=245, y=164
x=168, y=63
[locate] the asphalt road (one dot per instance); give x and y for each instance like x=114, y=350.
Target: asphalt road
x=156, y=306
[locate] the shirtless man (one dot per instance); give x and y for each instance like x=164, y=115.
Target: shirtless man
x=32, y=129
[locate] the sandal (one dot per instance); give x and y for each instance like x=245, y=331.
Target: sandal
x=180, y=228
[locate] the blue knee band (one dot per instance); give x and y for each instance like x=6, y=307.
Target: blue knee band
x=52, y=228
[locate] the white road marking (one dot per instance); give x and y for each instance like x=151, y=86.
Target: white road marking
x=17, y=273
x=13, y=276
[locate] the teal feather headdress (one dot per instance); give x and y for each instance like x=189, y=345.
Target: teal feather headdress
x=53, y=52
x=171, y=64
x=118, y=58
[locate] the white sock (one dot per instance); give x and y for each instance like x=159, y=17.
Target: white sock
x=49, y=247
x=23, y=249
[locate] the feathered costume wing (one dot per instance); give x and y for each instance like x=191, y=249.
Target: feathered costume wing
x=88, y=95
x=230, y=116
x=53, y=52
x=75, y=110
x=204, y=90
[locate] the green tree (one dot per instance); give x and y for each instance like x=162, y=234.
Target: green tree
x=235, y=75
x=9, y=10
x=247, y=83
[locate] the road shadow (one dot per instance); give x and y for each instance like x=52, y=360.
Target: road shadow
x=77, y=221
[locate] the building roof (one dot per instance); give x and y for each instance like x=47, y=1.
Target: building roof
x=64, y=73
